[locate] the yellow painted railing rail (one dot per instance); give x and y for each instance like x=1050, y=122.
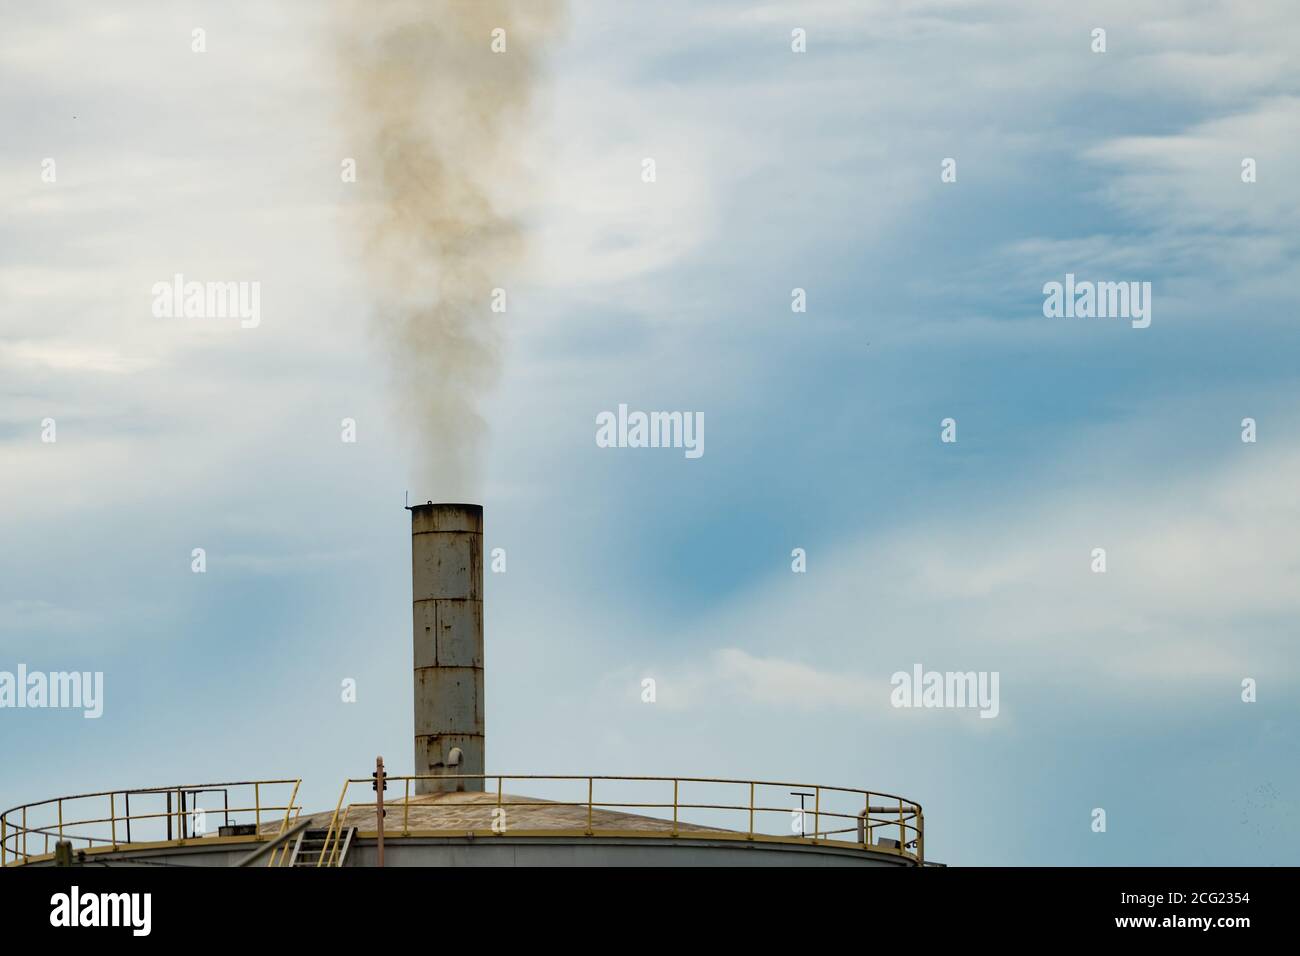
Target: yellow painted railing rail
x=333, y=831
x=283, y=851
x=98, y=821
x=844, y=817
x=860, y=819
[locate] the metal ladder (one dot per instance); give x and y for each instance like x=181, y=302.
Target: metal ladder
x=307, y=848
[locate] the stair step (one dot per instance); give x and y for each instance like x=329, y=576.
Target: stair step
x=314, y=842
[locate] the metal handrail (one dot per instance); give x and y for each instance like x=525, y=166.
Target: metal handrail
x=15, y=829
x=284, y=852
x=879, y=811
x=332, y=832
x=871, y=814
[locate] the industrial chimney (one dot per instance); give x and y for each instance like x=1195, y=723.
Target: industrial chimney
x=447, y=606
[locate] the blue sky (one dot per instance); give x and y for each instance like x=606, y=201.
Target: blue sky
x=775, y=170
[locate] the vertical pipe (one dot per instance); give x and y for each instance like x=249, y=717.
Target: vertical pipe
x=447, y=631
x=380, y=783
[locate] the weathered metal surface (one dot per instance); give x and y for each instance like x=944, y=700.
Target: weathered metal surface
x=444, y=517
x=448, y=700
x=448, y=633
x=463, y=812
x=448, y=567
x=447, y=636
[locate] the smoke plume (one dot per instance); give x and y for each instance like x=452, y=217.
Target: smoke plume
x=436, y=106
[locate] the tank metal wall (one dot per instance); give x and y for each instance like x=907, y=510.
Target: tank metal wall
x=536, y=851
x=607, y=851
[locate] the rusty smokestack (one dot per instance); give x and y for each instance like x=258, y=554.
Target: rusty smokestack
x=447, y=607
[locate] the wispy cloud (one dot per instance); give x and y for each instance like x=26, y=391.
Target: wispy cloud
x=732, y=675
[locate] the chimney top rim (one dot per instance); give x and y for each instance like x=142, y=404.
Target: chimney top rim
x=459, y=505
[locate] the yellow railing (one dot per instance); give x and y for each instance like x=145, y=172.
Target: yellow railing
x=866, y=820
x=95, y=822
x=834, y=816
x=280, y=855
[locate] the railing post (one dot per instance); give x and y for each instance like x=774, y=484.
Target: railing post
x=920, y=837
x=674, y=806
x=499, y=828
x=112, y=817
x=817, y=813
x=591, y=786
x=406, y=809
x=60, y=819
x=4, y=839
x=24, y=834
x=902, y=833
x=751, y=809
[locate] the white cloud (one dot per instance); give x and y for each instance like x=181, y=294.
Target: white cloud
x=28, y=617
x=735, y=675
x=306, y=561
x=70, y=357
x=1192, y=179
x=1200, y=587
